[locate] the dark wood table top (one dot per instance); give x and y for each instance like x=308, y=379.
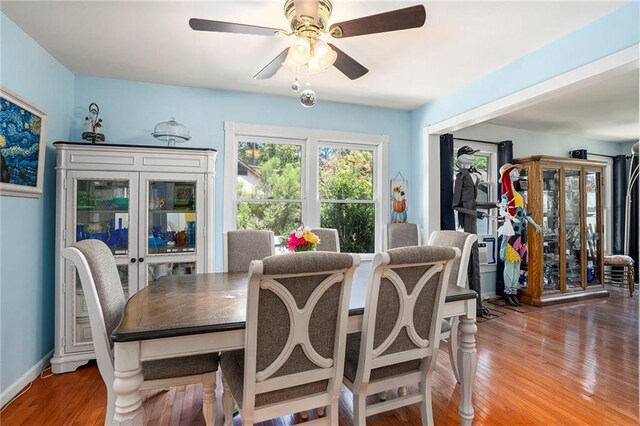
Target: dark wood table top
x=179, y=305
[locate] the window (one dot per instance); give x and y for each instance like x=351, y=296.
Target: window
x=277, y=178
x=268, y=185
x=346, y=196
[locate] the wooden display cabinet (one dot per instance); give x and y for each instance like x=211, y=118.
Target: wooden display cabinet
x=564, y=196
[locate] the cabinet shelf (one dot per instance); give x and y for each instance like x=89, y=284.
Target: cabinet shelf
x=157, y=211
x=94, y=210
x=170, y=250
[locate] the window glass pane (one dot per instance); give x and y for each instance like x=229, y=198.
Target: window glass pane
x=281, y=218
x=102, y=213
x=355, y=223
x=269, y=171
x=345, y=174
x=593, y=225
x=572, y=207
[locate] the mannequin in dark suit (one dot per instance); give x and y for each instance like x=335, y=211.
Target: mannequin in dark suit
x=464, y=202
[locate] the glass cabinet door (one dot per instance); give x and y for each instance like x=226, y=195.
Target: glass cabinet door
x=102, y=212
x=551, y=227
x=573, y=249
x=171, y=212
x=101, y=206
x=173, y=237
x=593, y=226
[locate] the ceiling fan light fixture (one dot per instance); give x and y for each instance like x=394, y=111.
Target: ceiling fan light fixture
x=291, y=65
x=300, y=51
x=323, y=57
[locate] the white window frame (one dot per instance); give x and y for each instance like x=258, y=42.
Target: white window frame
x=311, y=140
x=490, y=150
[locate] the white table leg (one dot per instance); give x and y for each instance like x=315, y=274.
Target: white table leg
x=467, y=363
x=128, y=379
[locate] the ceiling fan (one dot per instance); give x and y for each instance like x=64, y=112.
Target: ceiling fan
x=309, y=53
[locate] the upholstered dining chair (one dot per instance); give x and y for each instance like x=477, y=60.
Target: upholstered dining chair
x=106, y=301
x=398, y=345
x=297, y=311
x=242, y=246
x=396, y=235
x=329, y=239
x=463, y=241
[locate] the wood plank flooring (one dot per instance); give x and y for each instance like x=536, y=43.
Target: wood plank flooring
x=571, y=364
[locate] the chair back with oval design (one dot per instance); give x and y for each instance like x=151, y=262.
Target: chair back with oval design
x=297, y=311
x=401, y=328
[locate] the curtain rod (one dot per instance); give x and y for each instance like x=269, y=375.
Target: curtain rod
x=600, y=155
x=610, y=156
x=477, y=140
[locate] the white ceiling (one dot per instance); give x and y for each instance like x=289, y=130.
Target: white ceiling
x=606, y=110
x=151, y=41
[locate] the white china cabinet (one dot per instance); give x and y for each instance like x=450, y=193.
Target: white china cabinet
x=153, y=207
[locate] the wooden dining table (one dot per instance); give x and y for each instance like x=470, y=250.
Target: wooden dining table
x=181, y=315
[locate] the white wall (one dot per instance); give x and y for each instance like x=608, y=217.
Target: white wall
x=526, y=143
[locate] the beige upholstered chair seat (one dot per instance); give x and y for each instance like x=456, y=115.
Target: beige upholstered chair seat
x=618, y=260
x=178, y=367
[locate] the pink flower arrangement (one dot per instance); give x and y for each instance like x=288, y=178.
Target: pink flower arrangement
x=302, y=239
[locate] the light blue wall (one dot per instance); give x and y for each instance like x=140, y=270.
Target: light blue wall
x=27, y=224
x=609, y=34
x=130, y=110
x=626, y=148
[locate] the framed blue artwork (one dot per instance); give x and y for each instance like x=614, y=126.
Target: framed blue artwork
x=22, y=146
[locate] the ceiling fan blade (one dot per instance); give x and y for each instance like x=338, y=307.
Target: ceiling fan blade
x=272, y=67
x=306, y=8
x=347, y=65
x=230, y=27
x=401, y=19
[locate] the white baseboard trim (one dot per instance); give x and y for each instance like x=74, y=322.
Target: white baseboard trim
x=23, y=381
x=488, y=296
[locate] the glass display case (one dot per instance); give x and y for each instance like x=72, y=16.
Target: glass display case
x=153, y=208
x=563, y=195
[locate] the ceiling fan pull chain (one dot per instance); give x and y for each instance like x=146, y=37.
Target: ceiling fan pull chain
x=295, y=86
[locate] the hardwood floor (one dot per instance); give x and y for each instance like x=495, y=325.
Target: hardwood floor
x=571, y=364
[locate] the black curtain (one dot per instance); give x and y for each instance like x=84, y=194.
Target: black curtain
x=633, y=222
x=619, y=192
x=505, y=155
x=447, y=218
